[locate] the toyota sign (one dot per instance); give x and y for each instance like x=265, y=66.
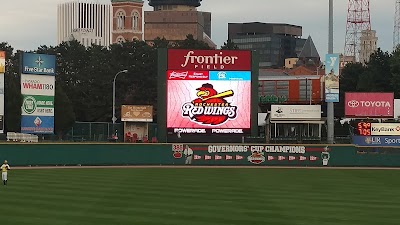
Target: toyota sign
x=369, y=104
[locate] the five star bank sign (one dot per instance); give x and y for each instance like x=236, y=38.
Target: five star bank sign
x=39, y=64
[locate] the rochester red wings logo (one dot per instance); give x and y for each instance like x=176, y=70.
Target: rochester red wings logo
x=210, y=108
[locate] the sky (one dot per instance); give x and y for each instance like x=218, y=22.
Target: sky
x=27, y=24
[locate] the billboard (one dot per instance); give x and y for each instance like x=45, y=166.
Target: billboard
x=137, y=113
x=216, y=60
x=39, y=105
x=383, y=129
x=332, y=78
x=37, y=124
x=39, y=64
x=38, y=91
x=208, y=102
x=37, y=85
x=369, y=104
x=295, y=112
x=377, y=141
x=2, y=61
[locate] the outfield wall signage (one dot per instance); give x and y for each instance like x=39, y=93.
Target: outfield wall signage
x=377, y=141
x=38, y=91
x=295, y=112
x=383, y=129
x=39, y=64
x=251, y=154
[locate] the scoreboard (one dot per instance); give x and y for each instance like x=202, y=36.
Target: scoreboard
x=364, y=128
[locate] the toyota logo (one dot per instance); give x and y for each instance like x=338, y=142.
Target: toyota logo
x=353, y=103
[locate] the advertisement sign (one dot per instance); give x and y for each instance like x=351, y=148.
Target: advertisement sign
x=391, y=129
x=37, y=124
x=2, y=61
x=332, y=78
x=38, y=105
x=137, y=113
x=39, y=64
x=251, y=154
x=37, y=85
x=1, y=124
x=369, y=104
x=295, y=112
x=377, y=141
x=184, y=59
x=219, y=104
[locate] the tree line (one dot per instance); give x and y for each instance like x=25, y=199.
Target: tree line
x=84, y=77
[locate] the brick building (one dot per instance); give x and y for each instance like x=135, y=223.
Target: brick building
x=127, y=20
x=175, y=19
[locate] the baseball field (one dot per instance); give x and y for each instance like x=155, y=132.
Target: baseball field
x=201, y=196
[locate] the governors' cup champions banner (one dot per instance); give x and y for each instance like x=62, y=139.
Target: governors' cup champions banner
x=208, y=92
x=38, y=90
x=2, y=71
x=332, y=78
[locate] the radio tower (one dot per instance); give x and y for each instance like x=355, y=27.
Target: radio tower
x=396, y=32
x=358, y=20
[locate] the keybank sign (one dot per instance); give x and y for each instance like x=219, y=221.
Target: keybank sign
x=38, y=64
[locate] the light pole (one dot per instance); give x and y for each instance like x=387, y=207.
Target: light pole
x=113, y=117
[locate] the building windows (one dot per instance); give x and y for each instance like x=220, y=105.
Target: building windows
x=120, y=20
x=135, y=21
x=120, y=39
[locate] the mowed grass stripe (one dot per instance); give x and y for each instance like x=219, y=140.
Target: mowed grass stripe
x=176, y=196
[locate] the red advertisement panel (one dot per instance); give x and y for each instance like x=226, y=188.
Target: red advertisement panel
x=369, y=104
x=185, y=59
x=187, y=75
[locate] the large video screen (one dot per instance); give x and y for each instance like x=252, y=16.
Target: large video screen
x=208, y=102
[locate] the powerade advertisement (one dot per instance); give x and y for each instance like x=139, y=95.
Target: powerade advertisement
x=39, y=64
x=37, y=124
x=208, y=102
x=377, y=141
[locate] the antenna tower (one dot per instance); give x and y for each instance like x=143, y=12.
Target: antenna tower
x=358, y=19
x=396, y=32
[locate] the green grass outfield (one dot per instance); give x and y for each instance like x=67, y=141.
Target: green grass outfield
x=201, y=196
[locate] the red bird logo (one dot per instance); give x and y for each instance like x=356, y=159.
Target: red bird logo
x=210, y=108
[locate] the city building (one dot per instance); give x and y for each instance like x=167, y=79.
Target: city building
x=88, y=22
x=368, y=44
x=273, y=42
x=175, y=19
x=127, y=20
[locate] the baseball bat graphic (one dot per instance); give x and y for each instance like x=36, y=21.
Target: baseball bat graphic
x=220, y=95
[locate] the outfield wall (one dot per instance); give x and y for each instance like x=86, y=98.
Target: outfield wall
x=23, y=154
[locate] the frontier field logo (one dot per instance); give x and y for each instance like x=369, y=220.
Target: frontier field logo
x=210, y=108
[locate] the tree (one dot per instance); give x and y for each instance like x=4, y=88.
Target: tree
x=229, y=45
x=377, y=76
x=12, y=92
x=64, y=116
x=395, y=71
x=191, y=43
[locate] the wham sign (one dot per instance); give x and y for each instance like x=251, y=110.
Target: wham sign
x=369, y=104
x=183, y=59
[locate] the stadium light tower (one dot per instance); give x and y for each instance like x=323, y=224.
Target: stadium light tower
x=330, y=107
x=396, y=31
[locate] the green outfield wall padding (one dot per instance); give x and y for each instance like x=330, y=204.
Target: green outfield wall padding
x=22, y=154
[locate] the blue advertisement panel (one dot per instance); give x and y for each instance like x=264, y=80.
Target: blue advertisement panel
x=37, y=124
x=39, y=64
x=377, y=141
x=332, y=78
x=230, y=75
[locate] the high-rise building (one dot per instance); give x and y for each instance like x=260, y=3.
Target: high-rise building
x=127, y=20
x=273, y=42
x=175, y=19
x=368, y=44
x=89, y=22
